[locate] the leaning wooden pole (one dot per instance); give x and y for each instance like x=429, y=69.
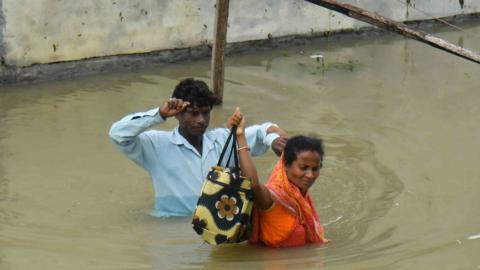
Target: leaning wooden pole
x=219, y=44
x=385, y=23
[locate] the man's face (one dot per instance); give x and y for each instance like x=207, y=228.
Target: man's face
x=194, y=121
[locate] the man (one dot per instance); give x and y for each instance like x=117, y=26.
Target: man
x=179, y=160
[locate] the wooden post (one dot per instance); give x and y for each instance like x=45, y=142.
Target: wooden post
x=385, y=23
x=219, y=44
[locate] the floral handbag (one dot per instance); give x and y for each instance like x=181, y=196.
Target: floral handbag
x=224, y=208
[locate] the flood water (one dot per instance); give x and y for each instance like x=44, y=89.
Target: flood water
x=400, y=186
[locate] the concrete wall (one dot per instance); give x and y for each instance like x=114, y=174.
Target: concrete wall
x=47, y=31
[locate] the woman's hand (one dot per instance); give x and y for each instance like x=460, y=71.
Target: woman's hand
x=238, y=120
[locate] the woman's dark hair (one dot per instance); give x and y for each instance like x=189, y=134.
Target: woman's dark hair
x=299, y=144
x=196, y=92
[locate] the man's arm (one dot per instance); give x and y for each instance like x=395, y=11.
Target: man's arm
x=279, y=143
x=261, y=137
x=129, y=127
x=128, y=133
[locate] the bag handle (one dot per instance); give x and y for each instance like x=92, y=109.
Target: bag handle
x=233, y=147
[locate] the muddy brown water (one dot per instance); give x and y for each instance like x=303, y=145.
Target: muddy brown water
x=399, y=188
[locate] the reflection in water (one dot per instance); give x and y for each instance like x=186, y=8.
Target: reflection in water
x=7, y=216
x=460, y=41
x=308, y=257
x=362, y=190
x=396, y=191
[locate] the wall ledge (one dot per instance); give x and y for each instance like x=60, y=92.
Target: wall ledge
x=137, y=62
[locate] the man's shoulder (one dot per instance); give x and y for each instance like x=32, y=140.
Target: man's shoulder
x=218, y=135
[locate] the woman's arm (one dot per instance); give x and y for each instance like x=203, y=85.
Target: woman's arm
x=262, y=197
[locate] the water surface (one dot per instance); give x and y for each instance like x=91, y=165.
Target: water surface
x=399, y=188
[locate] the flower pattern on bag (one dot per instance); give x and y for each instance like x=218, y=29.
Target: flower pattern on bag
x=227, y=207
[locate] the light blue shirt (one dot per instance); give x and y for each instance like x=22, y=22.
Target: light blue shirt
x=175, y=166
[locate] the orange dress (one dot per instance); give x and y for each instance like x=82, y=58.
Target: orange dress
x=292, y=219
x=278, y=227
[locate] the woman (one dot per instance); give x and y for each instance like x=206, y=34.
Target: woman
x=284, y=214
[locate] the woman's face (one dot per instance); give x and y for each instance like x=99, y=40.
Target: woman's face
x=304, y=170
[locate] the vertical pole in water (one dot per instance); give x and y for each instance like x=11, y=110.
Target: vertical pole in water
x=219, y=44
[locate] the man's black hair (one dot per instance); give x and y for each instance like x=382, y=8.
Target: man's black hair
x=299, y=144
x=196, y=92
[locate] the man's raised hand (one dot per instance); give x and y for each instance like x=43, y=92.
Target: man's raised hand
x=172, y=107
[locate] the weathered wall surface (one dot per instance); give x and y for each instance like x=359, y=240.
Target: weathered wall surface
x=47, y=31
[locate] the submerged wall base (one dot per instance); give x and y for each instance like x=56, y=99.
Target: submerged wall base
x=135, y=62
